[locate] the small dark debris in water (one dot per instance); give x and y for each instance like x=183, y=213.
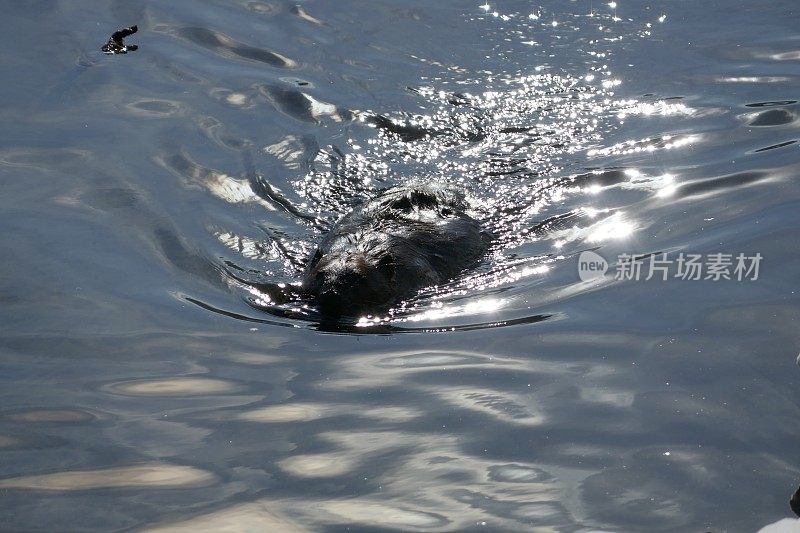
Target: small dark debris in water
x=116, y=45
x=794, y=503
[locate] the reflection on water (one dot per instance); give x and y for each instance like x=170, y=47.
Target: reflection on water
x=298, y=412
x=173, y=387
x=51, y=415
x=256, y=516
x=155, y=476
x=150, y=202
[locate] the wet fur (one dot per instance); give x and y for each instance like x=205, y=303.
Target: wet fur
x=390, y=246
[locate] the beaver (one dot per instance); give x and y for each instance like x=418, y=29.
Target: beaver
x=384, y=250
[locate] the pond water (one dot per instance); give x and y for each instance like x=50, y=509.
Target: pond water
x=622, y=359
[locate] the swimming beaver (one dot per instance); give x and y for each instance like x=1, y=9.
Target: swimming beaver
x=405, y=238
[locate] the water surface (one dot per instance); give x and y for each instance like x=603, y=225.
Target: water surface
x=150, y=384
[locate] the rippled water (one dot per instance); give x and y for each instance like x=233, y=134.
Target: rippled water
x=150, y=201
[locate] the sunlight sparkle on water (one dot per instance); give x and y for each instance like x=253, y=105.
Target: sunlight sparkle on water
x=681, y=141
x=613, y=227
x=438, y=311
x=632, y=173
x=655, y=108
x=667, y=185
x=591, y=212
x=663, y=185
x=632, y=146
x=486, y=305
x=528, y=271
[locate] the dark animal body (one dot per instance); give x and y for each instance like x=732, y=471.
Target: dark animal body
x=392, y=245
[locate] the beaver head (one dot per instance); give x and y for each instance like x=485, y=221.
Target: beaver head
x=352, y=281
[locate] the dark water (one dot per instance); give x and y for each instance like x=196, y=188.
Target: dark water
x=148, y=384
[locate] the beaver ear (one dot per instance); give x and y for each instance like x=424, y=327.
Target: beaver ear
x=386, y=266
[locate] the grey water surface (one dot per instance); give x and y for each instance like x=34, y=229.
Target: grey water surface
x=150, y=383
